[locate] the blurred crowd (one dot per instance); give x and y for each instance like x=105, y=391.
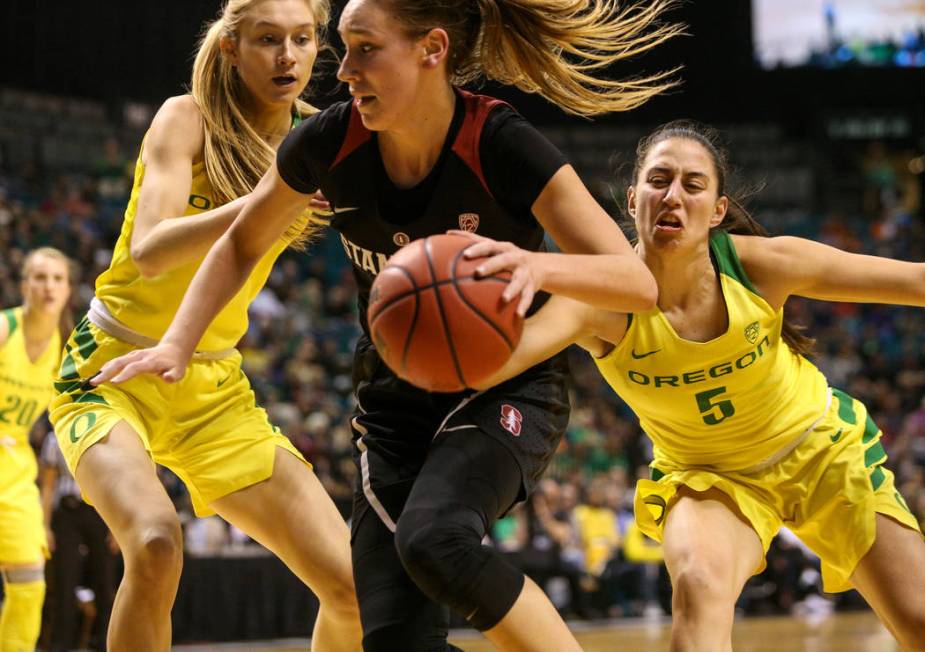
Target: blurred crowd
x=576, y=536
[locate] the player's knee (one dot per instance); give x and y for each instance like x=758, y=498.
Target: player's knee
x=435, y=550
x=698, y=587
x=157, y=550
x=21, y=610
x=338, y=599
x=443, y=554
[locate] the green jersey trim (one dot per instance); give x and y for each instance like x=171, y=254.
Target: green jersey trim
x=728, y=260
x=10, y=314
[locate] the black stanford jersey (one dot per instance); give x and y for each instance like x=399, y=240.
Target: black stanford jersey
x=491, y=169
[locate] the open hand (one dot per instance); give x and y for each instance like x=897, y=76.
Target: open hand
x=165, y=361
x=526, y=274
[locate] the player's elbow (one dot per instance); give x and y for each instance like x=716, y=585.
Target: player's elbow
x=147, y=265
x=642, y=294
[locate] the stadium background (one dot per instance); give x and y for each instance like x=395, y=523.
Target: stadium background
x=836, y=148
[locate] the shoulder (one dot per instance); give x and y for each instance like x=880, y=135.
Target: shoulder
x=328, y=125
x=320, y=135
x=9, y=322
x=771, y=263
x=177, y=129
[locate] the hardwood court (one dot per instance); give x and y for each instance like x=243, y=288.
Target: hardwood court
x=854, y=632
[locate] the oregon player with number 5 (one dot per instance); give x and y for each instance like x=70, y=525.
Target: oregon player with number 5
x=748, y=436
x=30, y=352
x=201, y=152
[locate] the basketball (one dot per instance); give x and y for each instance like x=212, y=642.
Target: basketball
x=434, y=323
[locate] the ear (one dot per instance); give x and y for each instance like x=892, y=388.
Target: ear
x=719, y=211
x=631, y=201
x=229, y=50
x=436, y=46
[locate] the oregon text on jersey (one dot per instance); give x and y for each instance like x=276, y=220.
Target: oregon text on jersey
x=700, y=375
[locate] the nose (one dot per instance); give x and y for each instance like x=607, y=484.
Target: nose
x=673, y=194
x=286, y=58
x=345, y=71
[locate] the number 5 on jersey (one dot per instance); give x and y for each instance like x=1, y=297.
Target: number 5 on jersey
x=714, y=412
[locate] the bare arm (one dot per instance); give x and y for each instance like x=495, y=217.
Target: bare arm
x=559, y=323
x=269, y=211
x=784, y=266
x=162, y=237
x=610, y=275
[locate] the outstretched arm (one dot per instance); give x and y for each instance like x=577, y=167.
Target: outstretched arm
x=560, y=322
x=269, y=211
x=609, y=276
x=784, y=266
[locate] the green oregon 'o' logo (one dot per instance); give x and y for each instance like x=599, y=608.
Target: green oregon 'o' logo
x=81, y=425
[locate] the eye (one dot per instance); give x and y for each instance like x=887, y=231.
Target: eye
x=658, y=180
x=366, y=48
x=267, y=38
x=303, y=39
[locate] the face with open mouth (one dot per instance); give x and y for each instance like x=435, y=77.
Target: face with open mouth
x=675, y=195
x=381, y=65
x=275, y=50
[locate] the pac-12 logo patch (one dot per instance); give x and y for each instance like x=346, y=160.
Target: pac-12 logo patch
x=469, y=222
x=751, y=332
x=511, y=419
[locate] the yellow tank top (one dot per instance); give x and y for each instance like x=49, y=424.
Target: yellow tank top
x=148, y=305
x=25, y=386
x=728, y=404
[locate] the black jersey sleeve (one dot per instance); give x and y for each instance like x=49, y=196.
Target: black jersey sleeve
x=310, y=148
x=517, y=160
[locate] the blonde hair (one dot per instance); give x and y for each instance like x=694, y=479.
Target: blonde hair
x=551, y=47
x=235, y=155
x=66, y=320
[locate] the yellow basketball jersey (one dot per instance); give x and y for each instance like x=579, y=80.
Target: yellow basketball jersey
x=148, y=305
x=25, y=386
x=728, y=404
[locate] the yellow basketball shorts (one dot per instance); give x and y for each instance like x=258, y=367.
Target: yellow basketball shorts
x=206, y=428
x=828, y=491
x=22, y=529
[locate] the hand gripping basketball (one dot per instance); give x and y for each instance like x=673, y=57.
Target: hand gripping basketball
x=434, y=323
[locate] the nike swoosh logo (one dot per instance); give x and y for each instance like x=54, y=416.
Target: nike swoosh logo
x=350, y=209
x=224, y=380
x=640, y=356
x=836, y=436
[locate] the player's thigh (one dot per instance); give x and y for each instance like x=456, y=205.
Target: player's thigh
x=118, y=477
x=707, y=537
x=291, y=514
x=891, y=576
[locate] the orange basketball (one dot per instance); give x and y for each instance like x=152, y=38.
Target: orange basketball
x=435, y=324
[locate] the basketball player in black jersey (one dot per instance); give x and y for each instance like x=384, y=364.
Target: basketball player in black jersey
x=410, y=156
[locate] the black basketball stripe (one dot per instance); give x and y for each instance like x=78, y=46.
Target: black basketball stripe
x=472, y=306
x=437, y=284
x=446, y=328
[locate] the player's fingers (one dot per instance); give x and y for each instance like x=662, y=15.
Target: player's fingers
x=173, y=374
x=144, y=365
x=526, y=299
x=111, y=368
x=496, y=263
x=514, y=287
